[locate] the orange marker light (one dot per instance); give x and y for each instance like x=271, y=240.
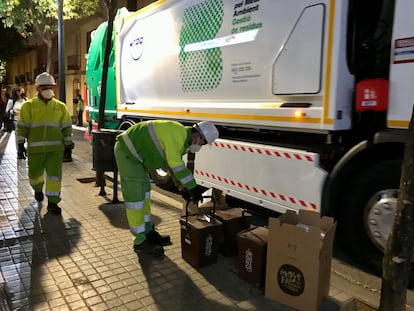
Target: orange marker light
x=299, y=114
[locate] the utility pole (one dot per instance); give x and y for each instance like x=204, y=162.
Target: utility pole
x=61, y=53
x=67, y=154
x=111, y=6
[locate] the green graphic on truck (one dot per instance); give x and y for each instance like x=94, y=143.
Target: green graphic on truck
x=201, y=68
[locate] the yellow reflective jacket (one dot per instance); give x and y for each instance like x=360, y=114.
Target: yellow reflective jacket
x=46, y=127
x=160, y=144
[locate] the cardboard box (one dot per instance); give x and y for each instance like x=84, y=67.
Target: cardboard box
x=200, y=236
x=299, y=254
x=234, y=220
x=252, y=246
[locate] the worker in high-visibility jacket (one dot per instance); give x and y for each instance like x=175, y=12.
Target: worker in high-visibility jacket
x=45, y=124
x=152, y=145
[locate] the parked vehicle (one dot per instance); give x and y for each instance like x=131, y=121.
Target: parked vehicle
x=312, y=99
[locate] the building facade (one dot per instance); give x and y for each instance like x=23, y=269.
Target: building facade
x=24, y=68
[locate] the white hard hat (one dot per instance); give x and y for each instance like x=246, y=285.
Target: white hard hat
x=208, y=131
x=44, y=79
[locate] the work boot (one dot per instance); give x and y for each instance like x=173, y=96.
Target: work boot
x=54, y=208
x=155, y=237
x=148, y=248
x=39, y=196
x=20, y=156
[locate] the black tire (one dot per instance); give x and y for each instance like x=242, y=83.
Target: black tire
x=162, y=179
x=354, y=204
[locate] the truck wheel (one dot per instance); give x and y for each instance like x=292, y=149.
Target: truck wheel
x=126, y=124
x=162, y=179
x=368, y=210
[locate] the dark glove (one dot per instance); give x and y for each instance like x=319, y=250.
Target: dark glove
x=195, y=194
x=21, y=150
x=67, y=153
x=186, y=194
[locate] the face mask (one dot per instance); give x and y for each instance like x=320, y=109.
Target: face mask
x=195, y=148
x=47, y=94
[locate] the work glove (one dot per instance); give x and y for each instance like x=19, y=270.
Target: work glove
x=67, y=154
x=195, y=194
x=21, y=150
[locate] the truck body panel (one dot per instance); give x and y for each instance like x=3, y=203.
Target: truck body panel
x=193, y=60
x=283, y=178
x=401, y=99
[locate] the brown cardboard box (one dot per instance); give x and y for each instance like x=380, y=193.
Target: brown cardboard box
x=234, y=220
x=200, y=236
x=252, y=245
x=299, y=257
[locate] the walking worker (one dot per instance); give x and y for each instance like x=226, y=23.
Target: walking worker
x=12, y=110
x=80, y=107
x=151, y=145
x=46, y=125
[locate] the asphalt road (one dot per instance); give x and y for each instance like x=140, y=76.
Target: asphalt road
x=353, y=278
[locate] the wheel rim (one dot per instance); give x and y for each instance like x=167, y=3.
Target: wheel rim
x=126, y=125
x=379, y=217
x=162, y=172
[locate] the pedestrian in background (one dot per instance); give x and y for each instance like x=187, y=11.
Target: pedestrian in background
x=13, y=110
x=151, y=145
x=46, y=125
x=23, y=94
x=9, y=125
x=2, y=111
x=80, y=107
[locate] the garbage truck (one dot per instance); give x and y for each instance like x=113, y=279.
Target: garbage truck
x=312, y=99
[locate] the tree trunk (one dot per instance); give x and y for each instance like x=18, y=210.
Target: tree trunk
x=49, y=57
x=397, y=259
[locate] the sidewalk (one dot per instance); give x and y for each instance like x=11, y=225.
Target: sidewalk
x=84, y=260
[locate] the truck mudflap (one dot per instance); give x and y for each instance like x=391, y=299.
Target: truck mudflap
x=272, y=177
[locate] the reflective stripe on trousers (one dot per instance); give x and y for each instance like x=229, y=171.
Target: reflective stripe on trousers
x=51, y=163
x=135, y=187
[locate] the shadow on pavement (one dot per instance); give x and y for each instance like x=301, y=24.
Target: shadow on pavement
x=172, y=289
x=117, y=216
x=53, y=237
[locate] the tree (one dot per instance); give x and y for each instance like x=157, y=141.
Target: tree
x=397, y=259
x=8, y=35
x=40, y=17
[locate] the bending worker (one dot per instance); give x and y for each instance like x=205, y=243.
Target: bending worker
x=46, y=125
x=151, y=145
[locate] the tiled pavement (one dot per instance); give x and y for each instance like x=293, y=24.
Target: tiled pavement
x=84, y=260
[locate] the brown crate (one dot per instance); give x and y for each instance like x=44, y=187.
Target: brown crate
x=252, y=245
x=200, y=237
x=234, y=220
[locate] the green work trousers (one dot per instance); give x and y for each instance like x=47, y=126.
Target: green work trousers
x=136, y=187
x=51, y=163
